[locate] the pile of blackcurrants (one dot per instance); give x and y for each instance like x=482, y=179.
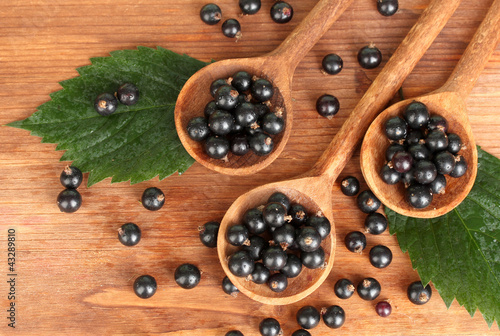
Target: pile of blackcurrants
x=421, y=153
x=267, y=233
x=239, y=118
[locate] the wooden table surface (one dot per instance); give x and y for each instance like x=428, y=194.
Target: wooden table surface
x=75, y=278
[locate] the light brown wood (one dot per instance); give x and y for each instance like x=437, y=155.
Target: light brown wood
x=449, y=102
x=75, y=278
x=278, y=67
x=319, y=180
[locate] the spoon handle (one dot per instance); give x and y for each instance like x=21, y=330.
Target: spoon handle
x=475, y=57
x=292, y=50
x=383, y=88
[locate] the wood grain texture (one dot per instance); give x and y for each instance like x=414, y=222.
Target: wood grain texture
x=75, y=278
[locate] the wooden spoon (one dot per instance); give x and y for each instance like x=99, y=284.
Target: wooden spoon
x=449, y=102
x=277, y=66
x=314, y=189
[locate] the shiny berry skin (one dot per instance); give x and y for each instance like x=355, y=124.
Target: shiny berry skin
x=216, y=147
x=308, y=317
x=321, y=224
x=249, y=6
x=460, y=167
x=105, y=104
x=153, y=198
x=221, y=122
x=228, y=287
x=419, y=196
x=327, y=106
x=369, y=57
x=438, y=185
x=245, y=114
x=389, y=175
x=383, y=308
x=369, y=289
x=272, y=123
x=226, y=97
x=256, y=246
x=269, y=327
x=387, y=7
x=419, y=152
x=128, y=94
x=408, y=178
x=344, y=288
x=298, y=214
x=281, y=198
x=301, y=332
x=402, y=162
x=210, y=14
x=355, y=241
x=274, y=258
x=234, y=333
x=239, y=145
x=216, y=84
x=241, y=264
x=281, y=12
x=69, y=200
x=349, y=186
x=260, y=274
x=308, y=239
x=393, y=149
x=129, y=234
x=454, y=143
x=197, y=129
x=444, y=162
x=425, y=171
x=375, y=223
x=293, y=266
x=261, y=109
x=368, y=202
x=262, y=90
x=416, y=115
x=187, y=276
x=436, y=141
x=332, y=64
x=231, y=28
x=254, y=221
x=314, y=259
x=145, y=286
x=436, y=122
x=71, y=177
x=380, y=256
x=333, y=316
x=284, y=236
x=237, y=235
x=274, y=214
x=241, y=81
x=413, y=137
x=418, y=294
x=208, y=233
x=396, y=128
x=261, y=144
x=277, y=282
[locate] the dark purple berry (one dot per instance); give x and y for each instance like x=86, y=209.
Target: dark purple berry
x=368, y=202
x=231, y=28
x=369, y=57
x=241, y=81
x=368, y=289
x=419, y=152
x=208, y=234
x=277, y=282
x=187, y=276
x=216, y=84
x=245, y=115
x=416, y=115
x=274, y=258
x=261, y=144
x=387, y=7
x=274, y=214
x=298, y=214
x=454, y=143
x=226, y=97
x=414, y=137
x=281, y=12
x=153, y=199
x=445, y=162
x=260, y=274
x=308, y=239
x=380, y=256
x=249, y=6
x=419, y=196
x=301, y=332
x=128, y=94
x=383, y=308
x=438, y=185
x=272, y=123
x=256, y=247
x=327, y=106
x=71, y=177
x=262, y=89
x=105, y=104
x=389, y=175
x=228, y=287
x=308, y=317
x=279, y=197
x=210, y=14
x=425, y=172
x=418, y=294
x=333, y=316
x=436, y=122
x=129, y=234
x=393, y=149
x=197, y=129
x=314, y=259
x=293, y=266
x=254, y=221
x=344, y=288
x=402, y=162
x=349, y=186
x=321, y=224
x=332, y=64
x=69, y=200
x=396, y=128
x=284, y=235
x=145, y=286
x=269, y=327
x=240, y=145
x=237, y=235
x=375, y=223
x=460, y=167
x=217, y=147
x=355, y=241
x=436, y=141
x=234, y=333
x=241, y=264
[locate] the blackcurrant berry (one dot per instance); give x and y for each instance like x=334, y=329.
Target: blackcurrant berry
x=249, y=6
x=272, y=123
x=301, y=332
x=368, y=202
x=344, y=288
x=129, y=234
x=277, y=282
x=375, y=223
x=436, y=122
x=332, y=64
x=454, y=143
x=245, y=114
x=369, y=289
x=460, y=167
x=237, y=129
x=438, y=185
x=105, y=104
x=220, y=122
x=419, y=152
x=284, y=236
x=425, y=172
x=279, y=197
x=216, y=84
x=269, y=327
x=226, y=97
x=217, y=147
x=308, y=239
x=387, y=7
x=256, y=247
x=71, y=177
x=153, y=198
x=333, y=316
x=197, y=129
x=231, y=28
x=69, y=200
x=402, y=162
x=314, y=259
x=436, y=141
x=349, y=186
x=274, y=214
x=274, y=258
x=241, y=264
x=187, y=276
x=237, y=235
x=369, y=57
x=355, y=241
x=262, y=89
x=260, y=274
x=234, y=333
x=208, y=234
x=128, y=94
x=445, y=162
x=408, y=178
x=414, y=137
x=327, y=106
x=261, y=144
x=416, y=114
x=240, y=145
x=321, y=224
x=418, y=294
x=261, y=109
x=281, y=12
x=210, y=14
x=293, y=266
x=393, y=149
x=228, y=287
x=145, y=286
x=383, y=308
x=308, y=317
x=419, y=196
x=389, y=175
x=396, y=128
x=254, y=221
x=380, y=256
x=298, y=214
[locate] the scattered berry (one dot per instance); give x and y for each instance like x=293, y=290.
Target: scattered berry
x=208, y=234
x=69, y=200
x=228, y=287
x=129, y=234
x=269, y=327
x=383, y=308
x=327, y=106
x=128, y=94
x=153, y=199
x=278, y=282
x=211, y=14
x=369, y=57
x=105, y=104
x=234, y=333
x=308, y=317
x=332, y=64
x=355, y=241
x=369, y=289
x=387, y=7
x=344, y=288
x=145, y=286
x=281, y=12
x=333, y=316
x=418, y=294
x=71, y=177
x=231, y=28
x=187, y=276
x=380, y=256
x=375, y=223
x=301, y=332
x=368, y=202
x=349, y=186
x=249, y=6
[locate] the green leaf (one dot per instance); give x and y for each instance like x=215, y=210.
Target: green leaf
x=460, y=251
x=137, y=142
